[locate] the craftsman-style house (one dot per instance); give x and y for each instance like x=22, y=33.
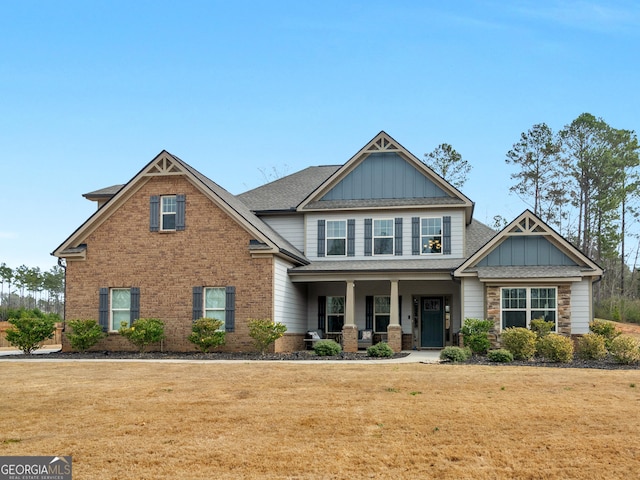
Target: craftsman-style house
x=380, y=243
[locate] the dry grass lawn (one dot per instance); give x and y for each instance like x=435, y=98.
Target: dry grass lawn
x=126, y=420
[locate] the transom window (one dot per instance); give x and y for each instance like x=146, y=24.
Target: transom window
x=168, y=212
x=383, y=237
x=120, y=315
x=431, y=235
x=335, y=314
x=381, y=313
x=214, y=303
x=523, y=304
x=336, y=237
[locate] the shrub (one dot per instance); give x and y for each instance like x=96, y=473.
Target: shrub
x=625, y=349
x=84, y=334
x=501, y=355
x=143, y=332
x=29, y=332
x=206, y=334
x=455, y=354
x=381, y=349
x=521, y=342
x=591, y=346
x=606, y=329
x=556, y=348
x=541, y=327
x=265, y=332
x=326, y=348
x=476, y=334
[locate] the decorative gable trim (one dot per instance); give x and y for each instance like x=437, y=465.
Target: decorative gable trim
x=164, y=165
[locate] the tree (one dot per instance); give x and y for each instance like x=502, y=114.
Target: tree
x=449, y=164
x=6, y=275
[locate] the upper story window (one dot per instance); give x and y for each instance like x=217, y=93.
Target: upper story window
x=383, y=237
x=336, y=237
x=431, y=235
x=521, y=305
x=168, y=212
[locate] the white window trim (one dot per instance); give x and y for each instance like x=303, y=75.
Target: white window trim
x=327, y=238
x=112, y=309
x=422, y=252
x=374, y=236
x=223, y=309
x=174, y=213
x=528, y=308
x=375, y=313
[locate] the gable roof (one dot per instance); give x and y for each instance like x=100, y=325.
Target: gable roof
x=448, y=196
x=166, y=164
x=527, y=224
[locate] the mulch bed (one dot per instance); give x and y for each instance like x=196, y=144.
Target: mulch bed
x=606, y=364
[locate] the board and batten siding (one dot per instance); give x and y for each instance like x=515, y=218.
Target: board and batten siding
x=472, y=298
x=289, y=300
x=457, y=232
x=580, y=307
x=290, y=227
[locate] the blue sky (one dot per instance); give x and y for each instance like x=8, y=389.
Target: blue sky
x=92, y=91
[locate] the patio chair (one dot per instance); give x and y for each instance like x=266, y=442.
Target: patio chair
x=365, y=338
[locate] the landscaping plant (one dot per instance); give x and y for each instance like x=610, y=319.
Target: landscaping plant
x=500, y=355
x=625, y=349
x=327, y=348
x=143, y=332
x=84, y=334
x=520, y=341
x=476, y=334
x=455, y=354
x=591, y=346
x=541, y=327
x=606, y=329
x=207, y=334
x=265, y=332
x=556, y=348
x=28, y=332
x=381, y=349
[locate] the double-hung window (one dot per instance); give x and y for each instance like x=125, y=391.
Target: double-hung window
x=336, y=237
x=522, y=304
x=383, y=232
x=381, y=313
x=335, y=314
x=168, y=212
x=431, y=235
x=120, y=315
x=214, y=304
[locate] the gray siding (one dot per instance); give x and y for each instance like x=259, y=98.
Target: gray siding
x=384, y=175
x=473, y=298
x=291, y=227
x=289, y=300
x=526, y=251
x=580, y=307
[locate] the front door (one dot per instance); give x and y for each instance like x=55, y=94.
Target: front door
x=432, y=322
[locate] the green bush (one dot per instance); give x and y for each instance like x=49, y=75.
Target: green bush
x=455, y=354
x=381, y=349
x=501, y=355
x=327, y=348
x=206, y=334
x=521, y=342
x=591, y=346
x=554, y=347
x=625, y=349
x=606, y=329
x=265, y=332
x=541, y=327
x=28, y=332
x=84, y=334
x=143, y=332
x=476, y=334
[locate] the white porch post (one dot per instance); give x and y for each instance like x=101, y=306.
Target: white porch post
x=350, y=304
x=395, y=309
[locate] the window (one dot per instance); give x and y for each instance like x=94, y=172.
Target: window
x=381, y=313
x=523, y=304
x=169, y=211
x=336, y=237
x=214, y=304
x=120, y=314
x=383, y=237
x=335, y=314
x=431, y=235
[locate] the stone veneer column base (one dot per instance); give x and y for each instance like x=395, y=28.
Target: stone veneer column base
x=394, y=337
x=350, y=338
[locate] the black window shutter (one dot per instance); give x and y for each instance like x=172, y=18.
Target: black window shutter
x=322, y=312
x=398, y=239
x=196, y=310
x=134, y=312
x=446, y=235
x=154, y=213
x=415, y=236
x=230, y=309
x=180, y=209
x=368, y=236
x=368, y=312
x=103, y=309
x=351, y=237
x=321, y=237
x=400, y=310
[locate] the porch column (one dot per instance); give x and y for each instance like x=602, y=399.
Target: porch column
x=350, y=330
x=394, y=330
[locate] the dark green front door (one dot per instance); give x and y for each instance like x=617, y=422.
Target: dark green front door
x=432, y=322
